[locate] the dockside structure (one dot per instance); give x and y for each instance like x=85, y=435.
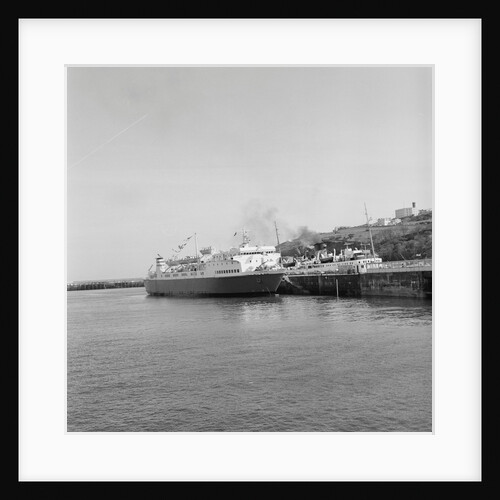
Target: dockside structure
x=411, y=279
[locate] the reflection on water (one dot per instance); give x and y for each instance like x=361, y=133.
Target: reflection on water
x=287, y=306
x=253, y=364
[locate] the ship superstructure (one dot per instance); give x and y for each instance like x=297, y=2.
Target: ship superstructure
x=247, y=270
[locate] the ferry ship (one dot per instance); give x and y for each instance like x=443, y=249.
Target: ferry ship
x=244, y=271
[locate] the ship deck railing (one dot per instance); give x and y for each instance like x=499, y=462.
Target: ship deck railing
x=317, y=270
x=372, y=267
x=419, y=264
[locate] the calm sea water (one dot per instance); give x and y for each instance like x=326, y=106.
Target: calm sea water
x=270, y=364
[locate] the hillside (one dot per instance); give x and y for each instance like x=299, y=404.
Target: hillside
x=410, y=239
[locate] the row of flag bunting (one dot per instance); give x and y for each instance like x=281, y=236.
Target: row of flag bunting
x=182, y=245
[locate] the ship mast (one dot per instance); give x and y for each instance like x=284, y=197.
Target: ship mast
x=196, y=250
x=246, y=239
x=370, y=231
x=277, y=236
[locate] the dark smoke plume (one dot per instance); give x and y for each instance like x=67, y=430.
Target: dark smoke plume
x=259, y=220
x=307, y=238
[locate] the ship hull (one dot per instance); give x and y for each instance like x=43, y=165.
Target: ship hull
x=241, y=285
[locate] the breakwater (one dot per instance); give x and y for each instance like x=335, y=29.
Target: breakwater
x=97, y=285
x=391, y=279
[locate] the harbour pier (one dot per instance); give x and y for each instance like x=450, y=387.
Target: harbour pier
x=97, y=285
x=411, y=279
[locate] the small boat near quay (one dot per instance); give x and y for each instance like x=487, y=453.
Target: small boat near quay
x=350, y=260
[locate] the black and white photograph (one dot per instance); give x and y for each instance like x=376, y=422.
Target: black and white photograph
x=250, y=252
x=249, y=249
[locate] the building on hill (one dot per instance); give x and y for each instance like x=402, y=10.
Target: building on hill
x=384, y=221
x=407, y=212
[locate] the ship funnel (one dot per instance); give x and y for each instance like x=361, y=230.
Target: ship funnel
x=160, y=264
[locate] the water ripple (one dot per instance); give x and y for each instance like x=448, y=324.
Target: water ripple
x=271, y=364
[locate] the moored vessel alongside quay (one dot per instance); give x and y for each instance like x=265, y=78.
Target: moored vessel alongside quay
x=247, y=270
x=350, y=260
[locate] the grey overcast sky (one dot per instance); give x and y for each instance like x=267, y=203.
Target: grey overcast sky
x=156, y=154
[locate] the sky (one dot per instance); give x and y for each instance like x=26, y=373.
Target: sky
x=158, y=154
